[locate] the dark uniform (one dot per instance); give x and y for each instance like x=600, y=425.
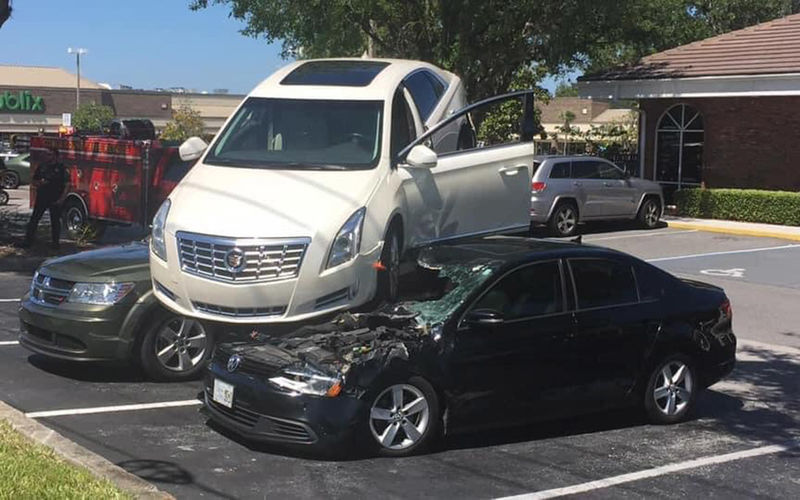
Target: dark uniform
x=53, y=180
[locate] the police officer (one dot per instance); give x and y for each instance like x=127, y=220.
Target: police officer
x=51, y=184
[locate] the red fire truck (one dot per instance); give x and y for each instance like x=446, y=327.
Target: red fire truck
x=119, y=179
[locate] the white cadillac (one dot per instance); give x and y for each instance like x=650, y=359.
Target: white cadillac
x=324, y=176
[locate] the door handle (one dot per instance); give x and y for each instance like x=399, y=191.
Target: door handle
x=511, y=170
x=576, y=183
x=607, y=184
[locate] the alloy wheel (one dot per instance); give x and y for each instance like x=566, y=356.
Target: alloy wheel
x=651, y=214
x=566, y=220
x=399, y=417
x=673, y=388
x=9, y=180
x=180, y=344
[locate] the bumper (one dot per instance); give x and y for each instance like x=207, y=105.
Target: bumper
x=80, y=335
x=540, y=209
x=312, y=293
x=262, y=414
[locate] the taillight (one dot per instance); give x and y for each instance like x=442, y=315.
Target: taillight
x=538, y=187
x=726, y=309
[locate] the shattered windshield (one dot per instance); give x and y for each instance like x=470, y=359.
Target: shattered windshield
x=461, y=278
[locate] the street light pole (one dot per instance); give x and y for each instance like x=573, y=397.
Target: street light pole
x=78, y=52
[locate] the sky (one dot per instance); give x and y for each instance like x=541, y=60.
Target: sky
x=141, y=43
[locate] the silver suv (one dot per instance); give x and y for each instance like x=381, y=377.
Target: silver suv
x=566, y=190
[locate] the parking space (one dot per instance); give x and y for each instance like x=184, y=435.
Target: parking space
x=743, y=443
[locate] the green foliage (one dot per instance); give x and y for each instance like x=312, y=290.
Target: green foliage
x=566, y=89
x=30, y=470
x=501, y=123
x=92, y=117
x=749, y=205
x=185, y=123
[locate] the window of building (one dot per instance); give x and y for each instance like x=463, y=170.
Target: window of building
x=679, y=146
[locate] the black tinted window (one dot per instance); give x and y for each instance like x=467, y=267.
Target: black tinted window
x=532, y=291
x=423, y=92
x=585, y=170
x=601, y=282
x=560, y=170
x=652, y=281
x=338, y=73
x=402, y=124
x=610, y=172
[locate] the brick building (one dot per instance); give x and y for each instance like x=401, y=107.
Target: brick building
x=724, y=112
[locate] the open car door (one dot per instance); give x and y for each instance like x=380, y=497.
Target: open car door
x=477, y=184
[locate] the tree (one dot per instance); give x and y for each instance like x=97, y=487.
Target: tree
x=5, y=11
x=92, y=117
x=566, y=89
x=185, y=123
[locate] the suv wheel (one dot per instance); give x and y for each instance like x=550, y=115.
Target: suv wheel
x=650, y=213
x=564, y=221
x=175, y=348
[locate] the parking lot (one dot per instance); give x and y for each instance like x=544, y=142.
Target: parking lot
x=743, y=442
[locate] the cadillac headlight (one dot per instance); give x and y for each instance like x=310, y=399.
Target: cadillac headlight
x=308, y=380
x=347, y=243
x=101, y=294
x=158, y=235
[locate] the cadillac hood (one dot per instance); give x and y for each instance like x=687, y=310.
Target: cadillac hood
x=268, y=202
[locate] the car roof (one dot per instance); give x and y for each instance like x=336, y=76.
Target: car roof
x=342, y=78
x=541, y=158
x=514, y=250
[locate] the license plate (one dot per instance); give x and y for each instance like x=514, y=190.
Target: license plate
x=223, y=393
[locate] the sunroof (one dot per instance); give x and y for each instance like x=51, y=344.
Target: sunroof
x=337, y=73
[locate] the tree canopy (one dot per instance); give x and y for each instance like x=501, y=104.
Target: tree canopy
x=487, y=41
x=186, y=122
x=92, y=117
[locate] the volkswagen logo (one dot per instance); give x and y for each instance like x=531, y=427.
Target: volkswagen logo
x=233, y=362
x=234, y=260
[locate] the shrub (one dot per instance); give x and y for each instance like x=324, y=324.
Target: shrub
x=748, y=205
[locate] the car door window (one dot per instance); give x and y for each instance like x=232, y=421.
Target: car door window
x=560, y=170
x=603, y=282
x=585, y=169
x=403, y=131
x=610, y=172
x=534, y=290
x=423, y=92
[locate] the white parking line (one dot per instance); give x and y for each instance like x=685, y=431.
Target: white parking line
x=9, y=342
x=110, y=409
x=729, y=252
x=639, y=235
x=9, y=300
x=656, y=471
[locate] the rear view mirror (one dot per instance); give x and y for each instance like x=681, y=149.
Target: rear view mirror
x=192, y=148
x=483, y=317
x=421, y=156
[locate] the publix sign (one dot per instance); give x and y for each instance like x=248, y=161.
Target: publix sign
x=20, y=102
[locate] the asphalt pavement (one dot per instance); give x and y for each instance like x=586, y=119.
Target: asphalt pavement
x=743, y=443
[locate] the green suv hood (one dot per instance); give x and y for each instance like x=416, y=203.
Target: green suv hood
x=128, y=262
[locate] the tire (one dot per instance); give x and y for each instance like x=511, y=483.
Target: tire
x=399, y=434
x=73, y=218
x=649, y=213
x=3, y=197
x=192, y=346
x=9, y=180
x=564, y=221
x=671, y=401
x=389, y=276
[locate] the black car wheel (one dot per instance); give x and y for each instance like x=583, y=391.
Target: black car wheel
x=671, y=390
x=3, y=197
x=649, y=213
x=175, y=348
x=74, y=218
x=564, y=221
x=403, y=417
x=389, y=276
x=9, y=180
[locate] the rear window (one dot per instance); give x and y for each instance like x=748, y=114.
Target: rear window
x=335, y=73
x=603, y=282
x=560, y=170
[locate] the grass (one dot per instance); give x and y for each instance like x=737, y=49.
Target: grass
x=30, y=470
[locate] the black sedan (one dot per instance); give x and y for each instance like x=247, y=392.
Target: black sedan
x=511, y=330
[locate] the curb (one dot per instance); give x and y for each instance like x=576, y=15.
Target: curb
x=80, y=456
x=737, y=231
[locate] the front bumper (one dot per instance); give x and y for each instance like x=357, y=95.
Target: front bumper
x=261, y=413
x=90, y=334
x=312, y=293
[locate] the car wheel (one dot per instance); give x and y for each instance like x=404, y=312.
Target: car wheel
x=9, y=180
x=389, y=276
x=671, y=390
x=403, y=417
x=74, y=218
x=564, y=221
x=175, y=348
x=3, y=197
x=649, y=213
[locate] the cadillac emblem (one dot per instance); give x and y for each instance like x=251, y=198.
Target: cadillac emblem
x=234, y=260
x=233, y=362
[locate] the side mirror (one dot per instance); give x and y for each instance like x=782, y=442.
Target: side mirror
x=483, y=317
x=421, y=156
x=192, y=148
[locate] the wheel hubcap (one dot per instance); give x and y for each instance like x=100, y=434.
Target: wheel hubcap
x=565, y=220
x=8, y=182
x=651, y=214
x=673, y=389
x=74, y=219
x=399, y=417
x=180, y=344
